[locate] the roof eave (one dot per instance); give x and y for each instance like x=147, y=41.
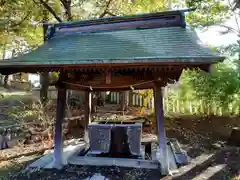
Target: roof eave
x=124, y=61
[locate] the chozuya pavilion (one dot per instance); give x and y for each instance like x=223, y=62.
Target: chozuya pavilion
x=115, y=54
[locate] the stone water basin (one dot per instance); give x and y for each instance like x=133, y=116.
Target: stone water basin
x=115, y=137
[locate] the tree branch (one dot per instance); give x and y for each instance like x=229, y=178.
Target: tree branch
x=67, y=7
x=228, y=29
x=2, y=2
x=111, y=14
x=16, y=24
x=19, y=23
x=106, y=9
x=49, y=10
x=235, y=17
x=78, y=4
x=64, y=4
x=236, y=4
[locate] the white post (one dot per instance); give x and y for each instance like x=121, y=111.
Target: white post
x=158, y=98
x=58, y=141
x=87, y=114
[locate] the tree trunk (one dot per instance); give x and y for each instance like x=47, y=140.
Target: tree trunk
x=5, y=85
x=44, y=80
x=67, y=7
x=5, y=81
x=124, y=100
x=235, y=137
x=44, y=77
x=238, y=61
x=4, y=50
x=130, y=96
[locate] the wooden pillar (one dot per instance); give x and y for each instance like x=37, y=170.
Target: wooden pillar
x=158, y=104
x=87, y=114
x=58, y=148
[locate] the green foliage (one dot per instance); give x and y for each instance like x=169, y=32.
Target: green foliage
x=220, y=85
x=95, y=8
x=208, y=12
x=34, y=113
x=233, y=52
x=140, y=6
x=18, y=20
x=200, y=92
x=147, y=97
x=53, y=77
x=220, y=88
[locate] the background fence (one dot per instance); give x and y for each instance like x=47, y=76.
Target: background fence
x=133, y=99
x=179, y=105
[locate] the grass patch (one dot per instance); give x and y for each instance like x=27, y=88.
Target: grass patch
x=13, y=166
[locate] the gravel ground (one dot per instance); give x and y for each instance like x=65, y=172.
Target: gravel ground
x=210, y=159
x=205, y=143
x=218, y=164
x=85, y=172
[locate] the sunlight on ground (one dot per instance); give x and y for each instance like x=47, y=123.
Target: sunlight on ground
x=209, y=172
x=15, y=93
x=17, y=98
x=9, y=96
x=236, y=178
x=196, y=161
x=6, y=92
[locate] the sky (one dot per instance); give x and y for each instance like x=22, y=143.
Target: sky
x=213, y=37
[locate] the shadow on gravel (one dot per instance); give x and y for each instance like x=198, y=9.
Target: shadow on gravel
x=228, y=159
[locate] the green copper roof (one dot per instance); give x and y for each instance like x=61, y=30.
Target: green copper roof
x=159, y=45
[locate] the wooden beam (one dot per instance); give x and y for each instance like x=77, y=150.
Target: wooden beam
x=158, y=104
x=60, y=114
x=87, y=114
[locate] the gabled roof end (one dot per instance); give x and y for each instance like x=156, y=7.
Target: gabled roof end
x=140, y=21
